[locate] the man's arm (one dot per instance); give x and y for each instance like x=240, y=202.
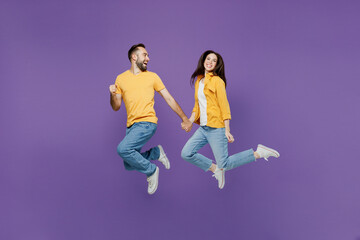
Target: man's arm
x=115, y=98
x=186, y=124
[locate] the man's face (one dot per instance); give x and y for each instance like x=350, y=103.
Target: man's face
x=142, y=58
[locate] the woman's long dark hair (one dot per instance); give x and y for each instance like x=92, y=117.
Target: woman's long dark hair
x=219, y=70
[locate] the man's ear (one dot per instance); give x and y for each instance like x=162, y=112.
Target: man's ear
x=134, y=57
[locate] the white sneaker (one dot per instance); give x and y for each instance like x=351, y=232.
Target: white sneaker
x=163, y=158
x=219, y=174
x=266, y=152
x=153, y=181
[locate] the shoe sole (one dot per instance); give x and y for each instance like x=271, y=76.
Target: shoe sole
x=167, y=160
x=270, y=149
x=223, y=181
x=156, y=172
x=221, y=187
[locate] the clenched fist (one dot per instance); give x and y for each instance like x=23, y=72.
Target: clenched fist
x=112, y=88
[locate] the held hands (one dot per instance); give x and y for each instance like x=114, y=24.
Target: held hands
x=112, y=88
x=186, y=125
x=229, y=136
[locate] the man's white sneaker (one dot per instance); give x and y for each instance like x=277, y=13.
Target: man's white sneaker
x=153, y=181
x=266, y=152
x=163, y=158
x=219, y=174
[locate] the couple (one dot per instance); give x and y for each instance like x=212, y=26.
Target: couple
x=135, y=88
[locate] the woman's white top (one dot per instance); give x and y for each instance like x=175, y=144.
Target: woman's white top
x=202, y=104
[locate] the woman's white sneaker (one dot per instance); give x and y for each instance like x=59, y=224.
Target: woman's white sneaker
x=163, y=158
x=265, y=152
x=219, y=174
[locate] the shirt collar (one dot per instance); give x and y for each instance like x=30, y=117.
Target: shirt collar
x=208, y=75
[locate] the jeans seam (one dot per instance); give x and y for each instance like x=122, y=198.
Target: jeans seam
x=199, y=149
x=194, y=148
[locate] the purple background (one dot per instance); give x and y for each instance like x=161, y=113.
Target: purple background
x=293, y=84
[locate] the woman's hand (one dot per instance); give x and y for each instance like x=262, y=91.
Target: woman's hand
x=227, y=131
x=186, y=125
x=229, y=136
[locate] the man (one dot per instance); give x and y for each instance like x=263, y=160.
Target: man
x=136, y=88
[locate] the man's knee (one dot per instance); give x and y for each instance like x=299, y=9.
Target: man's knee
x=128, y=166
x=122, y=149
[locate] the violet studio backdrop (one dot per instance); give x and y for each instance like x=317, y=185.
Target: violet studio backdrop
x=293, y=84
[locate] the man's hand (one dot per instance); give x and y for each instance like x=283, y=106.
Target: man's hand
x=229, y=136
x=186, y=125
x=112, y=89
x=115, y=98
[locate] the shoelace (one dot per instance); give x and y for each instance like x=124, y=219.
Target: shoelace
x=162, y=159
x=214, y=175
x=218, y=175
x=162, y=156
x=150, y=182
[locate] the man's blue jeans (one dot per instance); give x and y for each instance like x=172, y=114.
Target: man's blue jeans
x=219, y=145
x=129, y=148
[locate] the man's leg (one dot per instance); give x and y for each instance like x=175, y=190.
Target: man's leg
x=129, y=148
x=152, y=153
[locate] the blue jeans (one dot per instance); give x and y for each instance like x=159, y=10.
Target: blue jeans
x=219, y=145
x=129, y=148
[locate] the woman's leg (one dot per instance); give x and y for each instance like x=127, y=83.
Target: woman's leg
x=191, y=148
x=219, y=145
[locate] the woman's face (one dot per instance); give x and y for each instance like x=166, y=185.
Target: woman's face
x=210, y=62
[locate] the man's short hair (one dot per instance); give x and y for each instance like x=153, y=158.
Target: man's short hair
x=133, y=49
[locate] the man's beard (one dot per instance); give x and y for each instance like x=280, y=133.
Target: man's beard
x=141, y=65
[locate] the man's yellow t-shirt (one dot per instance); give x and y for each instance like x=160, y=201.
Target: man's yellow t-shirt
x=137, y=91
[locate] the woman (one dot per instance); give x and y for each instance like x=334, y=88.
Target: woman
x=212, y=113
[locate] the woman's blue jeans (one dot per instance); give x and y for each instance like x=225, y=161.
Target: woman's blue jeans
x=129, y=148
x=219, y=145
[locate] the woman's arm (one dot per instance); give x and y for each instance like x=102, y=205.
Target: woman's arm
x=222, y=100
x=192, y=117
x=227, y=131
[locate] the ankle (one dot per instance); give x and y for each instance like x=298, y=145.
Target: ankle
x=256, y=155
x=212, y=168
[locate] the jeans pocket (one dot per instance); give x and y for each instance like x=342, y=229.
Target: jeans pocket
x=148, y=125
x=144, y=125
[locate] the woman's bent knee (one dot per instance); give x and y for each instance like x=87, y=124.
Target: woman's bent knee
x=186, y=155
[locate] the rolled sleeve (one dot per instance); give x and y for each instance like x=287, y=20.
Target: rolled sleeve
x=223, y=101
